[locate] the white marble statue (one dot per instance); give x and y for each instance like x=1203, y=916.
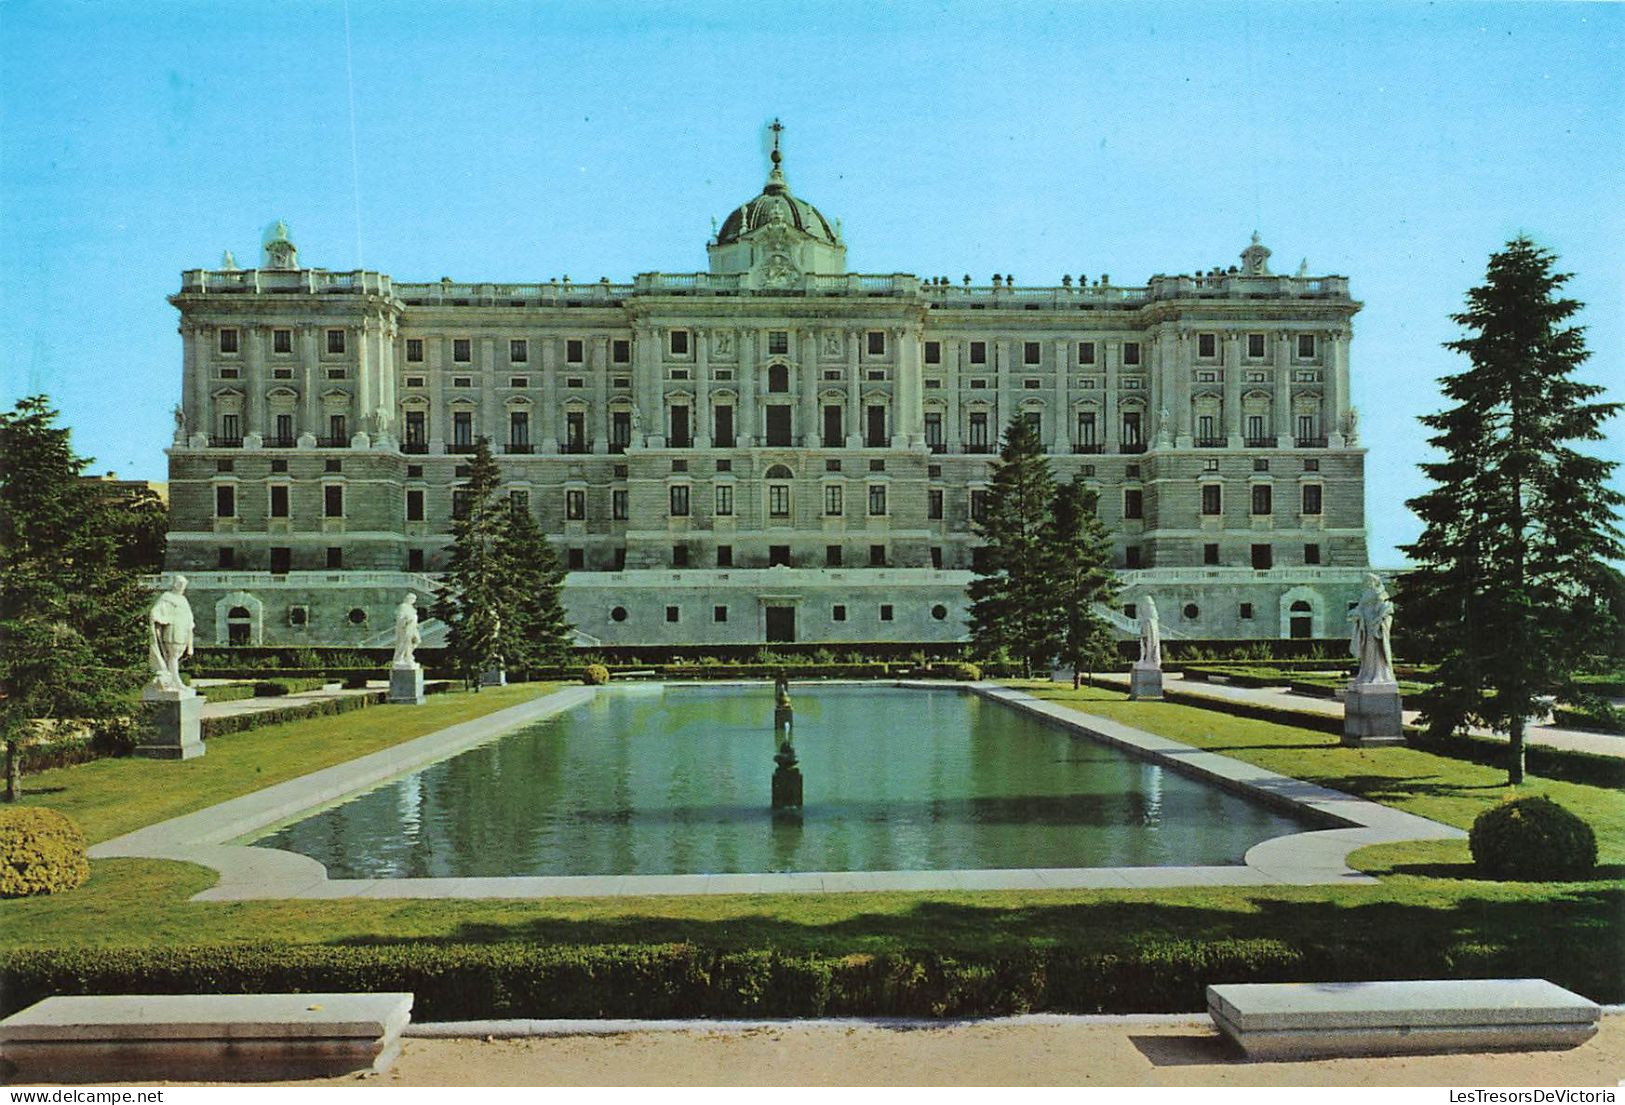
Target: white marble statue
x=169, y=631
x=1165, y=428
x=1150, y=634
x=407, y=635
x=1369, y=624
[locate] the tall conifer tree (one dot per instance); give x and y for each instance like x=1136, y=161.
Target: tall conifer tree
x=1512, y=588
x=1081, y=552
x=535, y=632
x=473, y=593
x=72, y=606
x=1013, y=603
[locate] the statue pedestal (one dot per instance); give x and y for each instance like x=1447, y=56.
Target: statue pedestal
x=787, y=788
x=175, y=731
x=1145, y=683
x=406, y=685
x=496, y=677
x=1371, y=715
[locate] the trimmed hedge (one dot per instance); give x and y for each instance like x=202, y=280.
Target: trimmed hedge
x=323, y=707
x=468, y=982
x=41, y=852
x=595, y=675
x=278, y=688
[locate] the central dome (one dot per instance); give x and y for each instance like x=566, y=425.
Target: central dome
x=776, y=204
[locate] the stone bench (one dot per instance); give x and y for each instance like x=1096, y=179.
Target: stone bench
x=1312, y=1020
x=203, y=1037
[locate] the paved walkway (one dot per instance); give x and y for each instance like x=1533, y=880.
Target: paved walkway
x=1014, y=1051
x=1572, y=740
x=240, y=706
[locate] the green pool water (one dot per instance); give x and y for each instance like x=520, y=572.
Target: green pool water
x=676, y=780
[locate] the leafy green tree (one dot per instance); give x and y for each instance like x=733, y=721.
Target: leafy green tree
x=473, y=593
x=1081, y=558
x=1512, y=588
x=72, y=606
x=535, y=632
x=1013, y=602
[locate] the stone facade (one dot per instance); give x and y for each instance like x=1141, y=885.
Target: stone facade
x=701, y=439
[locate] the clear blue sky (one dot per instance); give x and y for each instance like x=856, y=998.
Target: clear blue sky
x=1398, y=144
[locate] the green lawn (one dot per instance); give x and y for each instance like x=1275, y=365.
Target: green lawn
x=113, y=796
x=1427, y=911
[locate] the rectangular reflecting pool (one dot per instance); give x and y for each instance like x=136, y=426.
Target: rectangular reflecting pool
x=649, y=780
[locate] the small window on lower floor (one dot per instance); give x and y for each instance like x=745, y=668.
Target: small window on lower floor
x=618, y=614
x=228, y=558
x=414, y=560
x=838, y=613
x=939, y=612
x=1311, y=554
x=335, y=557
x=1246, y=611
x=298, y=616
x=576, y=559
x=1210, y=554
x=725, y=556
x=885, y=612
x=1130, y=611
x=679, y=559
x=719, y=613
x=1191, y=611
x=672, y=613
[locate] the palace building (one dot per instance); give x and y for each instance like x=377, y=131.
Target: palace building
x=774, y=449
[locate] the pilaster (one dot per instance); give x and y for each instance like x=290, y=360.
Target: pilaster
x=1063, y=416
x=1231, y=368
x=598, y=417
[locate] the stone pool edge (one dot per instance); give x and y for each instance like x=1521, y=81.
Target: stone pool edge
x=249, y=873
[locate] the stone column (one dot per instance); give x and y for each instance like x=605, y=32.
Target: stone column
x=1181, y=350
x=1002, y=354
x=700, y=416
x=1283, y=389
x=646, y=385
x=1337, y=384
x=1111, y=351
x=310, y=371
x=854, y=394
x=485, y=369
x=254, y=382
x=195, y=402
x=954, y=380
x=811, y=431
x=747, y=422
x=598, y=417
x=910, y=428
x=1063, y=416
x=1234, y=429
x=439, y=356
x=549, y=428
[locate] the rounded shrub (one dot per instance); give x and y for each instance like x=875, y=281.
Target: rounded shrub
x=1531, y=839
x=595, y=675
x=41, y=852
x=964, y=670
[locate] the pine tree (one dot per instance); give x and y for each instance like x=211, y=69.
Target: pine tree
x=1081, y=553
x=535, y=632
x=473, y=593
x=1013, y=607
x=72, y=606
x=1512, y=589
